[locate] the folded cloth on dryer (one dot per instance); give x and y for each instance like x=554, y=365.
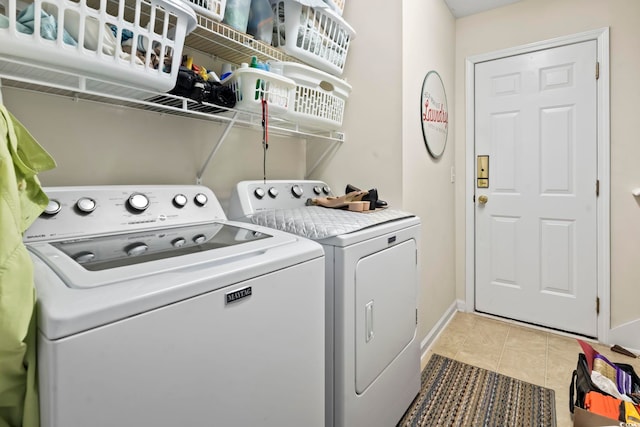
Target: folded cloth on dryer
x=316, y=222
x=21, y=201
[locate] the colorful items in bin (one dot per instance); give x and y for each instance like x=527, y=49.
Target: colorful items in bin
x=48, y=25
x=315, y=35
x=253, y=85
x=260, y=23
x=236, y=14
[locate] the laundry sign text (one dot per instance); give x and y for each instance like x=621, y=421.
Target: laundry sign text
x=434, y=114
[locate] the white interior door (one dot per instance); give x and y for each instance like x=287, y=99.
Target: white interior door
x=536, y=231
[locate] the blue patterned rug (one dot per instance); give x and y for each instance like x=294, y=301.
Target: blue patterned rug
x=456, y=394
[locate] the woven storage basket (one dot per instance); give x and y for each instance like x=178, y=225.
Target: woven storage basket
x=85, y=38
x=316, y=36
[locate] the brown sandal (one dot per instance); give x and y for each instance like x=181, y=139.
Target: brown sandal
x=352, y=201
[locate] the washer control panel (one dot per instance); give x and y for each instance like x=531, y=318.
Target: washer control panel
x=86, y=211
x=249, y=197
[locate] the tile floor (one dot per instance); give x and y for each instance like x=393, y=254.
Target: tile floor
x=534, y=355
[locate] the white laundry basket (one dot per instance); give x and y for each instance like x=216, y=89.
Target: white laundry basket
x=316, y=36
x=252, y=85
x=318, y=100
x=336, y=5
x=213, y=9
x=91, y=43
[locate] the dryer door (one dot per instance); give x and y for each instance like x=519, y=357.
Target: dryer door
x=385, y=309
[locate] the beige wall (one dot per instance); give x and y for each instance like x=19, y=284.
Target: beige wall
x=428, y=43
x=371, y=156
x=101, y=144
x=535, y=20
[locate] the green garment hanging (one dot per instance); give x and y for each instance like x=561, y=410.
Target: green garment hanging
x=21, y=202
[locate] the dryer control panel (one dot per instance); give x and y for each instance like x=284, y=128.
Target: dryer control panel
x=250, y=197
x=97, y=210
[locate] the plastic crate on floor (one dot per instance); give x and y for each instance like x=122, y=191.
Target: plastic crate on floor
x=316, y=36
x=86, y=37
x=251, y=85
x=319, y=99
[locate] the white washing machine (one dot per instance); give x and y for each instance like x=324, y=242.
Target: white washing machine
x=373, y=356
x=154, y=310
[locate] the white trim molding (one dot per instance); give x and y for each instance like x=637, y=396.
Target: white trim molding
x=601, y=36
x=433, y=334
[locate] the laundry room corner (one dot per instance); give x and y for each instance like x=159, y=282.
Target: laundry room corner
x=428, y=183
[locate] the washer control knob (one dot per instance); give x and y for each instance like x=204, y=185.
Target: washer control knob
x=297, y=191
x=84, y=257
x=326, y=190
x=273, y=192
x=201, y=199
x=138, y=202
x=52, y=208
x=179, y=242
x=86, y=205
x=179, y=200
x=199, y=238
x=136, y=249
x=317, y=190
x=259, y=193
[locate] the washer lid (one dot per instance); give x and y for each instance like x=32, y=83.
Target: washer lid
x=103, y=260
x=107, y=252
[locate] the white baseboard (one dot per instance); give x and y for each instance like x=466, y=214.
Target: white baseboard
x=433, y=334
x=627, y=335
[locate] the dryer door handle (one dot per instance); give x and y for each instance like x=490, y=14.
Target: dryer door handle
x=368, y=320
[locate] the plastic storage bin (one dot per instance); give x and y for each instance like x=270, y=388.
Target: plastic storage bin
x=251, y=85
x=318, y=100
x=316, y=36
x=336, y=5
x=85, y=38
x=213, y=9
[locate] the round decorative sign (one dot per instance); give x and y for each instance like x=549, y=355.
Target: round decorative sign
x=434, y=114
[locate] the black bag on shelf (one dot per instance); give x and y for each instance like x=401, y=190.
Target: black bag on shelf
x=190, y=84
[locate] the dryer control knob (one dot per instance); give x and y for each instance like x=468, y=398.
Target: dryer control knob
x=200, y=199
x=86, y=205
x=138, y=202
x=326, y=190
x=297, y=191
x=259, y=193
x=317, y=190
x=179, y=200
x=273, y=192
x=52, y=208
x=199, y=238
x=136, y=249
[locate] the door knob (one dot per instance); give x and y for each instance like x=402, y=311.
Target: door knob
x=483, y=199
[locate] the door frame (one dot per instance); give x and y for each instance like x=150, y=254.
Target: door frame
x=601, y=36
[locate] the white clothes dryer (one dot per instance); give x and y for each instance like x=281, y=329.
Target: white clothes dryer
x=154, y=310
x=372, y=354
